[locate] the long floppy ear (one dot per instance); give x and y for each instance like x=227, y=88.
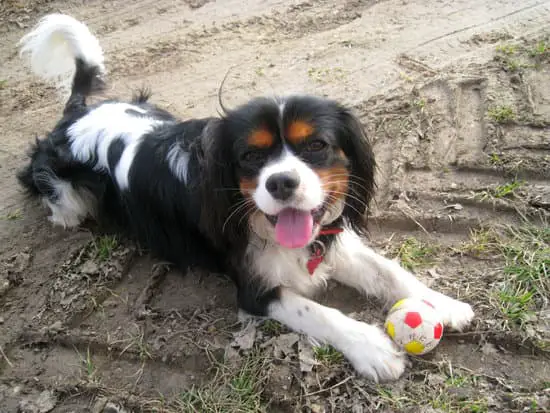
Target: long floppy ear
x=358, y=150
x=218, y=187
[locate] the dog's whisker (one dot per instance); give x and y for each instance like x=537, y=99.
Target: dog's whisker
x=347, y=194
x=249, y=211
x=240, y=207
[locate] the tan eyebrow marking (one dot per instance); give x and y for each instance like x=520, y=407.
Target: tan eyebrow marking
x=261, y=138
x=299, y=130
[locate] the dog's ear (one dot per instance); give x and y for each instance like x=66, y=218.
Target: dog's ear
x=218, y=186
x=358, y=150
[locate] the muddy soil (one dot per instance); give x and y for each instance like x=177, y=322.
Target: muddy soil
x=456, y=98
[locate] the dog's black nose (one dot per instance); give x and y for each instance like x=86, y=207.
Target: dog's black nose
x=282, y=185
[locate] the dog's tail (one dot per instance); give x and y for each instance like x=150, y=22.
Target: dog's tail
x=62, y=49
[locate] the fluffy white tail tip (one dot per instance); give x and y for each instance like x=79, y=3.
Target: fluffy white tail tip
x=55, y=42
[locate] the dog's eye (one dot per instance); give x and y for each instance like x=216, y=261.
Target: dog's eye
x=254, y=156
x=316, y=146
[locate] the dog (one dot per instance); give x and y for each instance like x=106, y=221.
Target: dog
x=274, y=193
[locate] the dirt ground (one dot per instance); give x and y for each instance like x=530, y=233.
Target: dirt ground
x=456, y=98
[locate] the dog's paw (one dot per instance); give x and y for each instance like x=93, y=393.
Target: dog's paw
x=456, y=314
x=372, y=353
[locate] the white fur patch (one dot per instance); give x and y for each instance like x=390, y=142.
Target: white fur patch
x=53, y=45
x=280, y=266
x=178, y=161
x=92, y=135
x=72, y=206
x=309, y=194
x=123, y=168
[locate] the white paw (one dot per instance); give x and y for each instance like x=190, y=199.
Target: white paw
x=371, y=352
x=456, y=314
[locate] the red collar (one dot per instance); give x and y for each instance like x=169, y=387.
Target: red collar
x=318, y=252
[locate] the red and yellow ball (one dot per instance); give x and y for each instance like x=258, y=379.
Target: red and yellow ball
x=414, y=325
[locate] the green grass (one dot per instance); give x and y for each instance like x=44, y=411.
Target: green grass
x=89, y=368
x=271, y=327
x=104, y=246
x=3, y=83
x=327, y=355
x=137, y=343
x=495, y=159
x=231, y=391
x=419, y=103
x=12, y=215
x=414, y=254
x=507, y=49
x=527, y=271
x=449, y=404
x=508, y=189
x=326, y=75
x=501, y=113
x=541, y=48
x=457, y=381
x=504, y=191
x=525, y=251
x=417, y=397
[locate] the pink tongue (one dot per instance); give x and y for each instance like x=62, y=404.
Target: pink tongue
x=293, y=228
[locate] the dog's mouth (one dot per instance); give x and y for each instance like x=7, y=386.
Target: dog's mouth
x=294, y=227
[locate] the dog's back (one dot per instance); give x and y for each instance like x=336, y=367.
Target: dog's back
x=123, y=163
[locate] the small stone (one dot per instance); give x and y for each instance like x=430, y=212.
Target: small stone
x=515, y=79
x=44, y=403
x=489, y=348
x=1, y=320
x=4, y=286
x=55, y=327
x=89, y=268
x=99, y=405
x=357, y=408
x=245, y=338
x=316, y=408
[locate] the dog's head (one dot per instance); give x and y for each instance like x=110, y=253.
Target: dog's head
x=283, y=169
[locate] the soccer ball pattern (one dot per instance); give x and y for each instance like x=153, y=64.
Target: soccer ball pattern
x=414, y=325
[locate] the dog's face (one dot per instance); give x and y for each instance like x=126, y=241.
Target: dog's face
x=298, y=164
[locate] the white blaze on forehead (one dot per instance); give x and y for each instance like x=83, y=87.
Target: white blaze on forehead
x=309, y=194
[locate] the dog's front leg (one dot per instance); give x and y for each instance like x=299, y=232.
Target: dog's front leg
x=359, y=266
x=369, y=350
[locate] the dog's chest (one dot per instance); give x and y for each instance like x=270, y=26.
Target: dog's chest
x=297, y=269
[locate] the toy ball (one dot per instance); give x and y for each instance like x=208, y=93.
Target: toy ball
x=414, y=325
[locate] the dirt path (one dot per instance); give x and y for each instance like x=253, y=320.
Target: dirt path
x=456, y=97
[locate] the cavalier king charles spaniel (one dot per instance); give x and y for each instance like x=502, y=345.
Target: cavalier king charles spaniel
x=273, y=193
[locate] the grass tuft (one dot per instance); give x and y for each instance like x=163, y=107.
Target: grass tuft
x=525, y=286
x=507, y=49
x=272, y=327
x=507, y=190
x=414, y=254
x=231, y=391
x=328, y=355
x=501, y=114
x=104, y=246
x=13, y=215
x=540, y=49
x=495, y=159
